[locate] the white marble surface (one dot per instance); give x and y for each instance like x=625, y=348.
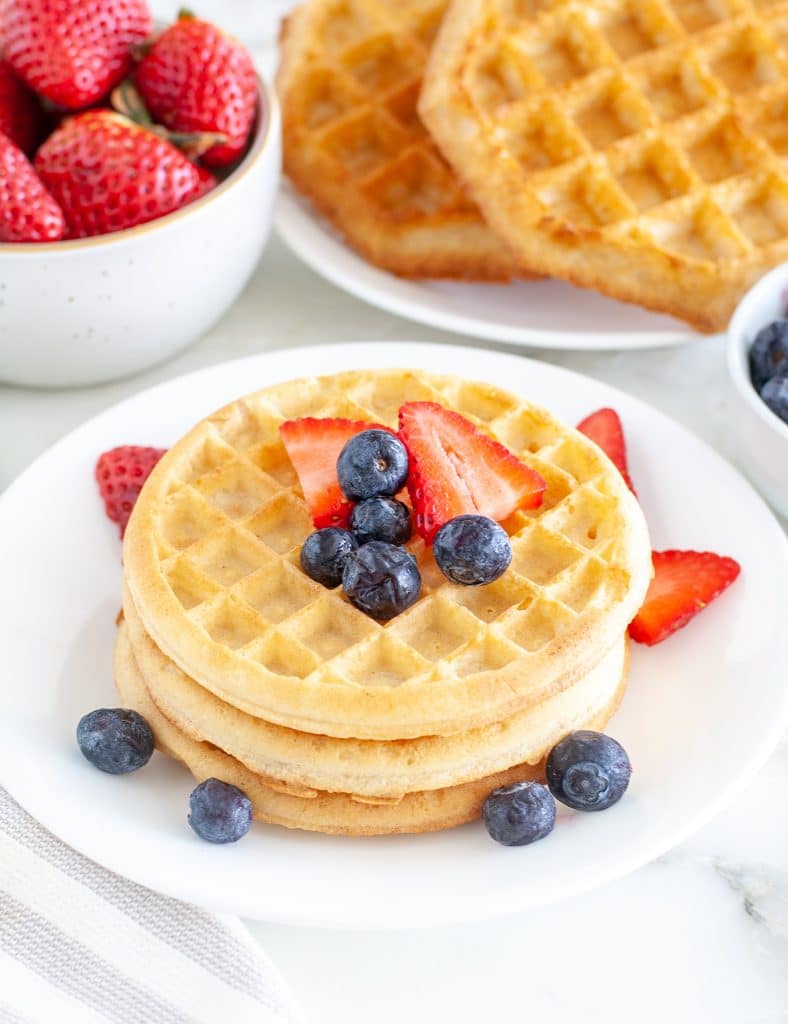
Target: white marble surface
x=699, y=936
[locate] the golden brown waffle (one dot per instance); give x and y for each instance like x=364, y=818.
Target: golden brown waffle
x=320, y=812
x=633, y=146
x=353, y=143
x=211, y=558
x=303, y=762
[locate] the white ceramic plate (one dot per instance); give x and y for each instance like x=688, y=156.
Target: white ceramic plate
x=535, y=314
x=702, y=713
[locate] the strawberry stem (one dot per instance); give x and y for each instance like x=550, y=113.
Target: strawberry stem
x=185, y=14
x=127, y=100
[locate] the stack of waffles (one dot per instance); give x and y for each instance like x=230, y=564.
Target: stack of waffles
x=637, y=147
x=249, y=671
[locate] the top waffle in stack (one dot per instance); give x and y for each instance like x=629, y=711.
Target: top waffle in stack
x=349, y=83
x=633, y=146
x=211, y=558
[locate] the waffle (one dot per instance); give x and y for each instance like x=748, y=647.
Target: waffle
x=633, y=146
x=353, y=143
x=211, y=558
x=302, y=763
x=320, y=812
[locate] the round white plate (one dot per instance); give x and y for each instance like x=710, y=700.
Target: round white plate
x=701, y=715
x=535, y=314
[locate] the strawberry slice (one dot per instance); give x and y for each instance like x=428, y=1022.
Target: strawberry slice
x=455, y=469
x=605, y=429
x=684, y=583
x=313, y=446
x=120, y=474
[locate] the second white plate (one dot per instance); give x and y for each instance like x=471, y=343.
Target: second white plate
x=534, y=314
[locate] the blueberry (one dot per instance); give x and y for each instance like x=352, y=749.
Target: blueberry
x=219, y=812
x=381, y=579
x=381, y=519
x=472, y=550
x=372, y=464
x=519, y=814
x=775, y=393
x=588, y=771
x=115, y=740
x=324, y=554
x=769, y=353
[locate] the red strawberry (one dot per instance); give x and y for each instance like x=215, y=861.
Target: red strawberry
x=109, y=174
x=72, y=52
x=121, y=473
x=313, y=446
x=20, y=115
x=197, y=78
x=28, y=213
x=605, y=429
x=455, y=469
x=684, y=583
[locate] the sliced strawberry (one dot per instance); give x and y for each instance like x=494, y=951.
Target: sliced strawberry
x=684, y=583
x=455, y=469
x=605, y=429
x=121, y=473
x=313, y=446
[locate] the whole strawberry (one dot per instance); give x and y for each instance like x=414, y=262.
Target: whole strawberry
x=120, y=474
x=197, y=78
x=109, y=174
x=28, y=213
x=20, y=115
x=72, y=51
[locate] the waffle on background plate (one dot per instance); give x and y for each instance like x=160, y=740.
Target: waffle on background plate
x=337, y=722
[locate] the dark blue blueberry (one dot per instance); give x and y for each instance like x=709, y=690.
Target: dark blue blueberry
x=775, y=393
x=769, y=353
x=324, y=554
x=115, y=740
x=219, y=812
x=519, y=814
x=372, y=464
x=588, y=771
x=472, y=550
x=381, y=519
x=381, y=579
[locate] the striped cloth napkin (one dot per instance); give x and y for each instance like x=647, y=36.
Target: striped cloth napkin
x=80, y=944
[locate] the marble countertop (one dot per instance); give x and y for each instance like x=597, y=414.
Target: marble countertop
x=701, y=935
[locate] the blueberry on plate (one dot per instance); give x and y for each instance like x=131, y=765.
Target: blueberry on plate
x=115, y=740
x=519, y=814
x=381, y=579
x=372, y=464
x=775, y=394
x=219, y=812
x=324, y=554
x=381, y=519
x=472, y=550
x=588, y=771
x=769, y=353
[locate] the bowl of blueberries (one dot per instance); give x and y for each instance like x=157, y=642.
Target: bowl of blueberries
x=758, y=366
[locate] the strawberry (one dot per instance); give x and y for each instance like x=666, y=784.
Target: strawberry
x=72, y=52
x=108, y=173
x=605, y=429
x=684, y=583
x=20, y=115
x=28, y=213
x=455, y=469
x=313, y=446
x=120, y=474
x=196, y=78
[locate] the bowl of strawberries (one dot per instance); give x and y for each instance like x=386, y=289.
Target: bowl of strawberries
x=139, y=166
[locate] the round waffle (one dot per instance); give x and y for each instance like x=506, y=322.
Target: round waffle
x=319, y=812
x=370, y=768
x=211, y=558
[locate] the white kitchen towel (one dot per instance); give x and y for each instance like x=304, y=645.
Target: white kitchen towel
x=80, y=944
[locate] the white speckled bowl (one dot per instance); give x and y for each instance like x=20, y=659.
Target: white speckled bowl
x=761, y=434
x=81, y=312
